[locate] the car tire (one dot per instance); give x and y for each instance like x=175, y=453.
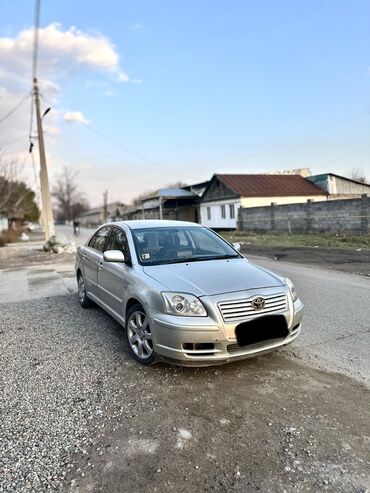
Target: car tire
x=138, y=335
x=83, y=299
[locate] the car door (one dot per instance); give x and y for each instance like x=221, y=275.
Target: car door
x=92, y=256
x=112, y=276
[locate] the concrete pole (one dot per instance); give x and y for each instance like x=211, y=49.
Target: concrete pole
x=46, y=209
x=160, y=208
x=105, y=206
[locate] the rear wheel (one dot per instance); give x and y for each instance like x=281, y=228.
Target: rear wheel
x=85, y=302
x=139, y=336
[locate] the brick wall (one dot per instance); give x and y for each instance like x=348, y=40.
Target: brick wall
x=333, y=216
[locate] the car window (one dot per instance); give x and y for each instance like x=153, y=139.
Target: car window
x=97, y=242
x=118, y=241
x=163, y=245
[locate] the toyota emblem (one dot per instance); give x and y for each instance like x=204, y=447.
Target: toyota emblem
x=258, y=303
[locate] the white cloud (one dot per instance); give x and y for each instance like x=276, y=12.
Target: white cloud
x=75, y=117
x=63, y=52
x=64, y=49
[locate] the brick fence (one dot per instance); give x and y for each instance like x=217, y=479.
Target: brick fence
x=332, y=216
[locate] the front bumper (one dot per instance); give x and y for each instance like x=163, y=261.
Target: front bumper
x=170, y=334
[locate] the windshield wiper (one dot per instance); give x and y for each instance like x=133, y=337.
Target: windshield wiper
x=197, y=259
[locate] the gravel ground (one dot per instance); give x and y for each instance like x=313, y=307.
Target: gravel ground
x=78, y=414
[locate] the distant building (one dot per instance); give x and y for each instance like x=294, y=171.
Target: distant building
x=339, y=187
x=95, y=217
x=305, y=172
x=168, y=203
x=226, y=193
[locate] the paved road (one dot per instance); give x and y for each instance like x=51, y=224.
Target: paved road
x=336, y=331
x=65, y=234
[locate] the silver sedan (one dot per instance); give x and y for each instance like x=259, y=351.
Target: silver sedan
x=184, y=294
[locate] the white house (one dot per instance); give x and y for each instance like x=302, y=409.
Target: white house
x=340, y=186
x=226, y=193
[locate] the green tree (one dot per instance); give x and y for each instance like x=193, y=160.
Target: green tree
x=17, y=200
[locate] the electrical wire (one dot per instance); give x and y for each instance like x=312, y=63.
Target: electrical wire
x=298, y=138
x=18, y=105
x=132, y=152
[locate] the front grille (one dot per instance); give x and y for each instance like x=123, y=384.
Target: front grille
x=233, y=311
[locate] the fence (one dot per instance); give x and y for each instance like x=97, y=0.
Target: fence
x=332, y=216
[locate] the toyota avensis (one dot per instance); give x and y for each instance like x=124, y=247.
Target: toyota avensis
x=184, y=294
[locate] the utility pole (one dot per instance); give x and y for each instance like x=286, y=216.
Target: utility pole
x=105, y=207
x=46, y=209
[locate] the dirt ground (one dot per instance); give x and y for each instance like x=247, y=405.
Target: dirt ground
x=355, y=262
x=266, y=424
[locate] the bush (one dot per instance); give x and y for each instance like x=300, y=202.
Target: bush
x=9, y=236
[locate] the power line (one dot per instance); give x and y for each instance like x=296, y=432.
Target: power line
x=132, y=152
x=303, y=136
x=7, y=115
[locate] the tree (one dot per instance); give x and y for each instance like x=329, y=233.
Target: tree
x=17, y=200
x=358, y=174
x=70, y=200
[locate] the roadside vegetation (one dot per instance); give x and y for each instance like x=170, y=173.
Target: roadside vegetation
x=299, y=240
x=9, y=236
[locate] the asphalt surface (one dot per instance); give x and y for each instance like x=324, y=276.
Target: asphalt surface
x=336, y=325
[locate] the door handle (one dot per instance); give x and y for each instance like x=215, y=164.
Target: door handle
x=100, y=265
x=84, y=255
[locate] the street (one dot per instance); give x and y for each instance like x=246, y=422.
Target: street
x=79, y=414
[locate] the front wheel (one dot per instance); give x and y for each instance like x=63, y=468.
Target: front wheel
x=85, y=302
x=139, y=336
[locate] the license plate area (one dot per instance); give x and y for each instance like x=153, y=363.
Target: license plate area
x=261, y=329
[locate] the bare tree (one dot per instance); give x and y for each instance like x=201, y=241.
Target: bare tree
x=70, y=200
x=358, y=174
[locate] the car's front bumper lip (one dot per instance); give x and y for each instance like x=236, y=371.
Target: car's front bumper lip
x=170, y=333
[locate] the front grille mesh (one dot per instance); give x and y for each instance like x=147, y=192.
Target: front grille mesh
x=232, y=311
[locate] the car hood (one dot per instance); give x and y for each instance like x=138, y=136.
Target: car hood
x=212, y=276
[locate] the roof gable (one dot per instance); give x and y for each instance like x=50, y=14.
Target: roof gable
x=270, y=185
x=218, y=190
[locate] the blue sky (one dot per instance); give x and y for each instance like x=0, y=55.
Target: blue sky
x=211, y=86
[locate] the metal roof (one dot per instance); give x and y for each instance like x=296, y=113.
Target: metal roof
x=169, y=193
x=155, y=223
x=270, y=185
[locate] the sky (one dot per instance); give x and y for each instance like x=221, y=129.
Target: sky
x=149, y=93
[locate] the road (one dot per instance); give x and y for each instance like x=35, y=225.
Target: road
x=65, y=234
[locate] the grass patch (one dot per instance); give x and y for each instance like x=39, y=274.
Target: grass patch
x=299, y=240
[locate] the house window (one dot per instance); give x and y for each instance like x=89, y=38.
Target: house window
x=223, y=212
x=208, y=213
x=232, y=211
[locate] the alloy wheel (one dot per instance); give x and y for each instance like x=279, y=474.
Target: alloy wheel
x=139, y=335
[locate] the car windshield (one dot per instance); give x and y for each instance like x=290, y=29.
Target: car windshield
x=156, y=246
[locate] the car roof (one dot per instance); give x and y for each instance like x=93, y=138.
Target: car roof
x=155, y=223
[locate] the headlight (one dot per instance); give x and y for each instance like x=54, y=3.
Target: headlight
x=183, y=304
x=291, y=288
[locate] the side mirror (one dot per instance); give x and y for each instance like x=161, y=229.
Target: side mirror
x=113, y=256
x=236, y=246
